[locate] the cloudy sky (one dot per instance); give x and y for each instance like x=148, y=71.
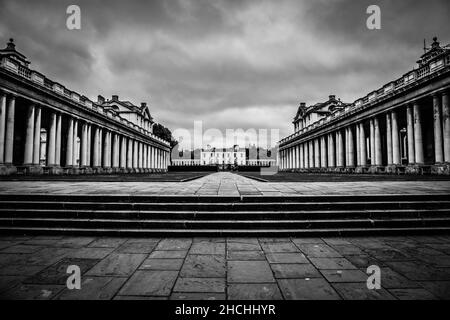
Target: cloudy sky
x=229, y=63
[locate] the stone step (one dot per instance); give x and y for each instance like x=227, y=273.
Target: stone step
x=228, y=224
x=218, y=199
x=227, y=206
x=204, y=215
x=215, y=215
x=122, y=232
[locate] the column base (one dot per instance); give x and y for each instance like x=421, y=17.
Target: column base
x=97, y=170
x=74, y=171
x=361, y=169
x=377, y=169
x=33, y=170
x=107, y=170
x=395, y=169
x=55, y=170
x=349, y=169
x=415, y=169
x=441, y=169
x=87, y=170
x=6, y=170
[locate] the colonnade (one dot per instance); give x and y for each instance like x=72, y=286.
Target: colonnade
x=406, y=138
x=73, y=145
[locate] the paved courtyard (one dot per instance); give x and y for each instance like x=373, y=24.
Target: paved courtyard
x=219, y=268
x=225, y=183
x=413, y=267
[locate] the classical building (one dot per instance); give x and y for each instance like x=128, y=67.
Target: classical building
x=402, y=127
x=223, y=156
x=47, y=128
x=251, y=156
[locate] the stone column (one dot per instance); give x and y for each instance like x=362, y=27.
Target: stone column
x=351, y=148
x=372, y=142
x=140, y=156
x=358, y=145
x=378, y=149
x=37, y=137
x=316, y=153
x=410, y=129
x=2, y=126
x=288, y=158
x=29, y=137
x=9, y=137
x=100, y=147
x=145, y=156
x=115, y=151
x=439, y=156
x=337, y=145
x=341, y=149
x=389, y=139
x=70, y=148
x=347, y=145
x=323, y=153
x=395, y=139
x=76, y=148
x=130, y=154
x=135, y=155
x=311, y=154
x=418, y=141
x=301, y=156
x=52, y=141
x=363, y=145
x=306, y=150
x=108, y=142
x=331, y=151
x=106, y=155
x=95, y=159
x=83, y=156
x=285, y=156
x=150, y=155
x=296, y=157
x=89, y=142
x=446, y=124
x=58, y=140
x=123, y=153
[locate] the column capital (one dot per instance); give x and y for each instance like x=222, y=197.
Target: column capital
x=445, y=92
x=437, y=94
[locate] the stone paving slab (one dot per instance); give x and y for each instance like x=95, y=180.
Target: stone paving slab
x=225, y=268
x=236, y=185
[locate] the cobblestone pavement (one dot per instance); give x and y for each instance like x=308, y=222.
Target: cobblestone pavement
x=217, y=268
x=225, y=183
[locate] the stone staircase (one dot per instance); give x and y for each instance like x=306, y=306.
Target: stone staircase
x=117, y=215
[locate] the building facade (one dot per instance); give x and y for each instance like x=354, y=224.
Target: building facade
x=251, y=156
x=225, y=156
x=47, y=128
x=403, y=127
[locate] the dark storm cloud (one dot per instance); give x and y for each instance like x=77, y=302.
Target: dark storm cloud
x=232, y=64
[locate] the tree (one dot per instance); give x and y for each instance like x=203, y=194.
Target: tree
x=164, y=133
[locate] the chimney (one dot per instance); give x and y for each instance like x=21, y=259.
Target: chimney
x=115, y=98
x=100, y=99
x=143, y=105
x=302, y=104
x=332, y=97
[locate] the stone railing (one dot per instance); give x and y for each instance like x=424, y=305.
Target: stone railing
x=432, y=67
x=84, y=102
